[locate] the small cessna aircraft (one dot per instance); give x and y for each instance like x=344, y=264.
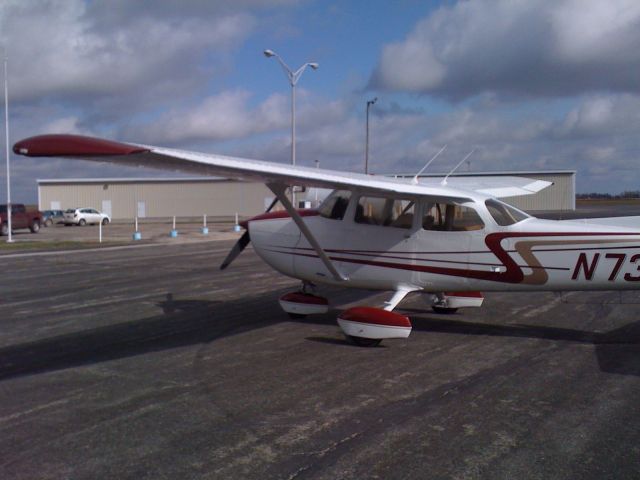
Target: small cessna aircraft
x=447, y=238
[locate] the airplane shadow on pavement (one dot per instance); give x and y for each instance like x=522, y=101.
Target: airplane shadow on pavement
x=190, y=322
x=617, y=351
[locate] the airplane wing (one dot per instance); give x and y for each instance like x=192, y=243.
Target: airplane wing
x=100, y=150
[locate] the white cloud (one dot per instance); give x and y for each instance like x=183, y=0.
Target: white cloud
x=600, y=116
x=221, y=117
x=410, y=66
x=592, y=31
x=229, y=115
x=550, y=48
x=68, y=125
x=63, y=47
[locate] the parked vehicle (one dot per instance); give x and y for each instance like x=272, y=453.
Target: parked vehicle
x=49, y=217
x=20, y=218
x=84, y=216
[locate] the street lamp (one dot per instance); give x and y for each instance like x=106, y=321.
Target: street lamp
x=293, y=80
x=6, y=123
x=366, y=148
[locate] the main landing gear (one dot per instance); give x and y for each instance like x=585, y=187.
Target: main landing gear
x=368, y=326
x=449, y=302
x=363, y=326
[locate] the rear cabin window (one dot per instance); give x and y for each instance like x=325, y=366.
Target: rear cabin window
x=449, y=217
x=386, y=212
x=504, y=214
x=335, y=205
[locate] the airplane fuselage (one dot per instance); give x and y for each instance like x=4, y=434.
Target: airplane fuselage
x=529, y=254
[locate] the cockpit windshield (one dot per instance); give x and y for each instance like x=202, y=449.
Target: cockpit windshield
x=504, y=214
x=335, y=205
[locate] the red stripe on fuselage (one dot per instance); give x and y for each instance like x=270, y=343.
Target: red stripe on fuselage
x=513, y=273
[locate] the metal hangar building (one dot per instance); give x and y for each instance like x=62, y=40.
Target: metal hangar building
x=124, y=198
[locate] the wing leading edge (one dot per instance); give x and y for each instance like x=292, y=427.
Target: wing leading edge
x=100, y=150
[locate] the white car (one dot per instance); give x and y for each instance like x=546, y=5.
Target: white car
x=82, y=216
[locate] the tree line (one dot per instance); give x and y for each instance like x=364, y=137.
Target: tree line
x=609, y=196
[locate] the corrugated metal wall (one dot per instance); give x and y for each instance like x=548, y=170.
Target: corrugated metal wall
x=215, y=197
x=160, y=199
x=559, y=196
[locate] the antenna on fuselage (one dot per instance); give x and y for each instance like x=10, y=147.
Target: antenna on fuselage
x=444, y=180
x=415, y=179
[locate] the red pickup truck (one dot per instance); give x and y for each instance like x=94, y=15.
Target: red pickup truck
x=20, y=218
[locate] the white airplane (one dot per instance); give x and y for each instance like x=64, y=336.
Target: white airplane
x=449, y=239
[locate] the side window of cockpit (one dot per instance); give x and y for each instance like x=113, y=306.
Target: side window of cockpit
x=402, y=212
x=449, y=217
x=386, y=212
x=371, y=210
x=335, y=205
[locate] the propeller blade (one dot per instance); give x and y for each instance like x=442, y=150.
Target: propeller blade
x=273, y=204
x=240, y=245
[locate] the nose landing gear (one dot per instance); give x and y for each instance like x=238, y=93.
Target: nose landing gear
x=302, y=303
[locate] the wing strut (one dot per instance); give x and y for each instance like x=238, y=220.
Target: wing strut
x=398, y=296
x=279, y=191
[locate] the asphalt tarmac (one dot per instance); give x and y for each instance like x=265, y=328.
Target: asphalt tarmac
x=150, y=363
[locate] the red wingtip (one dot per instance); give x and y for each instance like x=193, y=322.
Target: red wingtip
x=72, y=146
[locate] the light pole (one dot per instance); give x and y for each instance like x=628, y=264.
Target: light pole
x=6, y=123
x=293, y=80
x=317, y=166
x=366, y=148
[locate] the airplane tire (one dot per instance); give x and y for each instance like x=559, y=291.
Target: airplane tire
x=445, y=310
x=364, y=342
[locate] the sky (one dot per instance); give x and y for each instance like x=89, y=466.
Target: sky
x=527, y=85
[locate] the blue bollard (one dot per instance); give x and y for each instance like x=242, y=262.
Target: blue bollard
x=137, y=236
x=205, y=230
x=173, y=233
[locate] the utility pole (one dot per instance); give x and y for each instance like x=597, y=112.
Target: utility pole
x=366, y=148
